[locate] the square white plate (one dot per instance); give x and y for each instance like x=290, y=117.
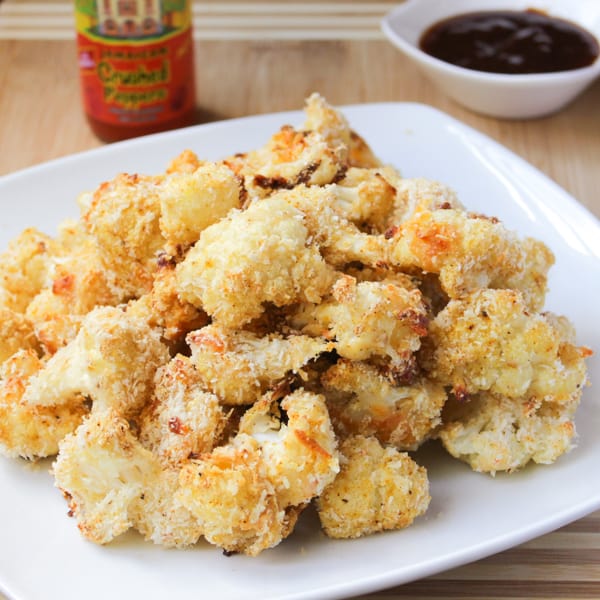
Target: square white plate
x=471, y=515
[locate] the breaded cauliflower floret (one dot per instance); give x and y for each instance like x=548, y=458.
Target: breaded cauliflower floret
x=248, y=494
x=300, y=450
x=333, y=126
x=366, y=197
x=377, y=489
x=112, y=360
x=185, y=162
x=263, y=254
x=160, y=517
x=26, y=430
x=112, y=484
x=162, y=306
x=489, y=341
x=361, y=400
x=290, y=158
x=230, y=495
x=413, y=195
x=103, y=471
x=122, y=216
x=25, y=268
x=370, y=318
x=16, y=333
x=190, y=202
x=183, y=419
x=79, y=283
x=326, y=218
x=494, y=433
x=471, y=252
x=239, y=366
x=323, y=118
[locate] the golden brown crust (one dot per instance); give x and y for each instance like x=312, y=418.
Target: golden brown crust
x=377, y=489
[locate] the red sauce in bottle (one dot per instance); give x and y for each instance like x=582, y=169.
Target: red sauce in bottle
x=511, y=42
x=136, y=65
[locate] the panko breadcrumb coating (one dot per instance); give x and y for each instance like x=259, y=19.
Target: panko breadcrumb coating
x=103, y=471
x=315, y=154
x=489, y=341
x=340, y=240
x=417, y=194
x=471, y=252
x=112, y=483
x=494, y=433
x=79, y=283
x=248, y=493
x=263, y=254
x=300, y=450
x=27, y=430
x=123, y=216
x=210, y=349
x=334, y=127
x=183, y=419
x=370, y=318
x=366, y=198
x=239, y=367
x=112, y=361
x=164, y=309
x=16, y=332
x=25, y=268
x=291, y=157
x=232, y=498
x=362, y=401
x=377, y=489
x=190, y=202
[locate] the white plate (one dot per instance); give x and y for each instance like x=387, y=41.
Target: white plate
x=471, y=515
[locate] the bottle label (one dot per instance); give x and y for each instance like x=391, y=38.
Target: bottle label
x=135, y=60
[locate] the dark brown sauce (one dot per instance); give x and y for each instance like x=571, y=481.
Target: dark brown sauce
x=513, y=42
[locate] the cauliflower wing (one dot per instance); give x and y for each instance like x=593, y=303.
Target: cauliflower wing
x=494, y=433
x=317, y=154
x=183, y=419
x=26, y=430
x=112, y=360
x=229, y=494
x=190, y=202
x=334, y=127
x=248, y=494
x=103, y=471
x=362, y=401
x=377, y=489
x=163, y=308
x=261, y=255
x=239, y=366
x=471, y=252
x=16, y=333
x=78, y=284
x=123, y=217
x=25, y=268
x=366, y=197
x=297, y=444
x=369, y=319
x=326, y=218
x=112, y=483
x=489, y=341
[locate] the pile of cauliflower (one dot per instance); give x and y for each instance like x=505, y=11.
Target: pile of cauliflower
x=210, y=350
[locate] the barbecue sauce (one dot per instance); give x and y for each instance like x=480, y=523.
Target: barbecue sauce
x=510, y=42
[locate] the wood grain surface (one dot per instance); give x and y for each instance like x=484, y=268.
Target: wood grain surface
x=249, y=73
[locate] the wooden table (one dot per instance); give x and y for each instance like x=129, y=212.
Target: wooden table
x=256, y=66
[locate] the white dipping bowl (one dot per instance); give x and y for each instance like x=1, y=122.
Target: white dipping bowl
x=498, y=95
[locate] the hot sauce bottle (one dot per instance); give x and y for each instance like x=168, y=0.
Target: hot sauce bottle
x=136, y=64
